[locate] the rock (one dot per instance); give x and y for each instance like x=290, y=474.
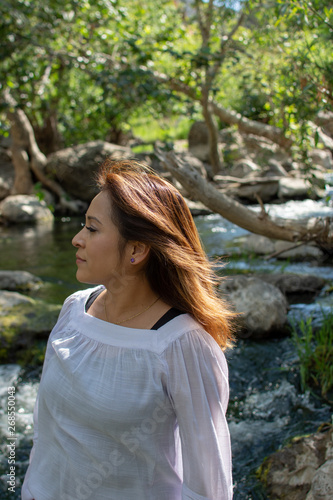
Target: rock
x=11, y=299
x=262, y=245
x=75, y=168
x=297, y=253
x=243, y=167
x=325, y=140
x=322, y=158
x=23, y=208
x=198, y=141
x=325, y=120
x=291, y=189
x=23, y=321
x=322, y=483
x=275, y=168
x=301, y=470
x=18, y=280
x=262, y=306
x=267, y=191
x=305, y=286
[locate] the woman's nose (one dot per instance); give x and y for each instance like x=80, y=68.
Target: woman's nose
x=78, y=241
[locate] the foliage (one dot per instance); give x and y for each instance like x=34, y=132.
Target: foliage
x=315, y=351
x=85, y=70
x=80, y=63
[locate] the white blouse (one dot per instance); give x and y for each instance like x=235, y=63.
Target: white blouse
x=130, y=414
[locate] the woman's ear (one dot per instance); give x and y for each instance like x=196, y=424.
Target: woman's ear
x=139, y=252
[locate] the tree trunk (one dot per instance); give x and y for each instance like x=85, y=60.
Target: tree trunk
x=319, y=230
x=28, y=157
x=23, y=180
x=213, y=137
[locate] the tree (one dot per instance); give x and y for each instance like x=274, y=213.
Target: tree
x=74, y=67
x=80, y=69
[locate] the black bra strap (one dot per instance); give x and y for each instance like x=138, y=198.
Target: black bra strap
x=168, y=316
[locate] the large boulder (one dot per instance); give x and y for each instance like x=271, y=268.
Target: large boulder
x=75, y=168
x=302, y=470
x=262, y=306
x=22, y=208
x=18, y=280
x=294, y=286
x=23, y=322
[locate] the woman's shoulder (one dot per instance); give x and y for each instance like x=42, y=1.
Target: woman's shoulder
x=184, y=331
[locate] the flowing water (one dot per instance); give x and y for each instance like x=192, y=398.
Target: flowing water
x=266, y=405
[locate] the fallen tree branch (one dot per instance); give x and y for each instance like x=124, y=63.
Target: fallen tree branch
x=317, y=229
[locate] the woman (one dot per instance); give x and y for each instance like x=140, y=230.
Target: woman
x=134, y=390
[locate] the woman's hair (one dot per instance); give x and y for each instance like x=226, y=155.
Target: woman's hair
x=149, y=209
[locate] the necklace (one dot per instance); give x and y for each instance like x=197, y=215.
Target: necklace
x=131, y=317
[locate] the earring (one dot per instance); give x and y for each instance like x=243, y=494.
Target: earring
x=132, y=260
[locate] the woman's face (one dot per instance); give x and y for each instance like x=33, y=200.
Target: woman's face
x=97, y=258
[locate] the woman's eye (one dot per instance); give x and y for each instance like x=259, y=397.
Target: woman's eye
x=89, y=228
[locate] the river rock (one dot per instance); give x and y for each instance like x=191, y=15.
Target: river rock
x=322, y=157
x=325, y=120
x=262, y=306
x=243, y=167
x=291, y=188
x=295, y=285
x=267, y=191
x=75, y=168
x=23, y=321
x=275, y=168
x=301, y=470
x=322, y=483
x=262, y=245
x=22, y=208
x=18, y=280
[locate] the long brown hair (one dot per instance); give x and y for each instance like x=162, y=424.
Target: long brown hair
x=149, y=209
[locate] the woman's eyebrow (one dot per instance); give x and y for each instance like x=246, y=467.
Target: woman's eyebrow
x=91, y=217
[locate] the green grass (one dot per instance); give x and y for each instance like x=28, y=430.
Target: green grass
x=150, y=130
x=315, y=352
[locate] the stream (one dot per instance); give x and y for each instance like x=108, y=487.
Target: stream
x=266, y=405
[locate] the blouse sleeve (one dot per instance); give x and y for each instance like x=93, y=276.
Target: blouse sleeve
x=199, y=391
